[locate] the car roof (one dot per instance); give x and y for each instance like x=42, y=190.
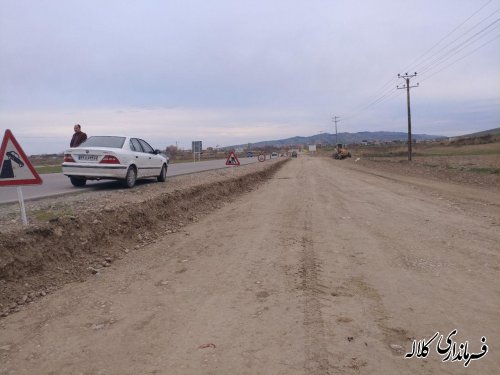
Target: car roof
x=112, y=135
x=118, y=135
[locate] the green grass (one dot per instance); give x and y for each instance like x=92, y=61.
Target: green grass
x=177, y=161
x=180, y=161
x=44, y=169
x=50, y=214
x=485, y=170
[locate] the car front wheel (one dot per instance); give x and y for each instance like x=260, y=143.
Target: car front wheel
x=78, y=181
x=163, y=174
x=130, y=178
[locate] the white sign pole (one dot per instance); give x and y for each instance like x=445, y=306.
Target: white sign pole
x=21, y=203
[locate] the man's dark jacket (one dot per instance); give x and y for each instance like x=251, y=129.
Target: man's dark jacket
x=77, y=139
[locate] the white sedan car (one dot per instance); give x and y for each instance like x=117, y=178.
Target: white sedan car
x=116, y=158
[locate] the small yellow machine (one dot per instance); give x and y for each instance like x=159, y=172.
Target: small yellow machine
x=341, y=152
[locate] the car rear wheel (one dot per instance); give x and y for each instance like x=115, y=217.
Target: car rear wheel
x=130, y=178
x=163, y=174
x=78, y=181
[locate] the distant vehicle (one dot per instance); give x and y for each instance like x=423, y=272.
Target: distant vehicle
x=274, y=155
x=249, y=154
x=294, y=154
x=341, y=152
x=14, y=156
x=116, y=158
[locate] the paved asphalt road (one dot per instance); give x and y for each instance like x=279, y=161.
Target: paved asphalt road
x=57, y=183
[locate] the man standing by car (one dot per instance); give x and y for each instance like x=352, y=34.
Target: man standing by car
x=79, y=137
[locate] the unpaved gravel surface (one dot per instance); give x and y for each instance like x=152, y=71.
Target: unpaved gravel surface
x=474, y=170
x=73, y=236
x=324, y=269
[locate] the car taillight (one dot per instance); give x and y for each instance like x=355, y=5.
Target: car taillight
x=68, y=158
x=109, y=159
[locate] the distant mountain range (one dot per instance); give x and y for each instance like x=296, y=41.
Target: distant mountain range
x=348, y=138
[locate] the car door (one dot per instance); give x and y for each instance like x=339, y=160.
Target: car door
x=153, y=162
x=140, y=157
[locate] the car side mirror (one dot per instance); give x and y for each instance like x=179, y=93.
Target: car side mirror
x=156, y=152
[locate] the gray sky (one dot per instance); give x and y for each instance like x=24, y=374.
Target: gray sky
x=228, y=72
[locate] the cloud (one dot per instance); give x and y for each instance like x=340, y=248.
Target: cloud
x=50, y=131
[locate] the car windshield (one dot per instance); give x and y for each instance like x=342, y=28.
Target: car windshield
x=104, y=141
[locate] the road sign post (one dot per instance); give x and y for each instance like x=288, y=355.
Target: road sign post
x=197, y=149
x=232, y=160
x=16, y=169
x=24, y=218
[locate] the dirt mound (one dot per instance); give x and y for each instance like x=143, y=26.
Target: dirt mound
x=41, y=258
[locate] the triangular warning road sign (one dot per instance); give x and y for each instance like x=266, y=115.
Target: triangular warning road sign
x=15, y=168
x=232, y=159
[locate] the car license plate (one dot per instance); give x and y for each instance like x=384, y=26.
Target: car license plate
x=87, y=157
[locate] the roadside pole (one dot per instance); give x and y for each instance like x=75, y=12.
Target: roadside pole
x=407, y=86
x=24, y=218
x=336, y=119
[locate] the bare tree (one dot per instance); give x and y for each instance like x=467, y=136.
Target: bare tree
x=171, y=151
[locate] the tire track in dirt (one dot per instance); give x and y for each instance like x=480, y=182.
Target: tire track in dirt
x=316, y=353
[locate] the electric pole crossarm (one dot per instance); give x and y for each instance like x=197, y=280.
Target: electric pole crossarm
x=404, y=87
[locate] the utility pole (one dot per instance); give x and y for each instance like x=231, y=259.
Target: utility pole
x=335, y=119
x=407, y=86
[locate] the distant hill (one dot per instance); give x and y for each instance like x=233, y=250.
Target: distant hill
x=349, y=138
x=495, y=131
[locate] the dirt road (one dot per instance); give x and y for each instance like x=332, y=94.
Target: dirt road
x=322, y=270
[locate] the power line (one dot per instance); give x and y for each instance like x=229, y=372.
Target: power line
x=388, y=94
x=428, y=67
x=431, y=57
x=369, y=104
x=414, y=63
x=384, y=98
x=434, y=60
x=380, y=92
x=461, y=58
x=453, y=51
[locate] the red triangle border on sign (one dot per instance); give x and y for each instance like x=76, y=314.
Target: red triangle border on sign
x=34, y=181
x=234, y=157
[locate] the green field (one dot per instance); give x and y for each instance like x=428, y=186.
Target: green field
x=429, y=150
x=45, y=169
